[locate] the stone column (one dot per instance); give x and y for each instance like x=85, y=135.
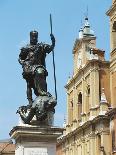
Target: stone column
x=96, y=87
x=94, y=90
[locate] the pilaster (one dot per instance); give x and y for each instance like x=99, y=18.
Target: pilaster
x=91, y=93
x=74, y=108
x=94, y=91
x=92, y=144
x=105, y=143
x=68, y=108
x=83, y=100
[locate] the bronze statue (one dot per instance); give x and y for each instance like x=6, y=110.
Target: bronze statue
x=32, y=58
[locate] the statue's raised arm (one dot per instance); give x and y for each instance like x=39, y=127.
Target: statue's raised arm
x=49, y=48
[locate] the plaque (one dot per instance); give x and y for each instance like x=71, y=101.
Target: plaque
x=35, y=151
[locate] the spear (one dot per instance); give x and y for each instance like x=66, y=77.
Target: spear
x=53, y=61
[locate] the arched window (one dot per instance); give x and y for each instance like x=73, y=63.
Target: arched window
x=87, y=98
x=71, y=111
x=99, y=143
x=88, y=91
x=80, y=98
x=72, y=104
x=79, y=106
x=114, y=93
x=114, y=27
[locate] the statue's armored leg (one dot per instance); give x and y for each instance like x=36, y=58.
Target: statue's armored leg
x=40, y=81
x=29, y=93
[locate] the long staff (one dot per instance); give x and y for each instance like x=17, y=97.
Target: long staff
x=53, y=61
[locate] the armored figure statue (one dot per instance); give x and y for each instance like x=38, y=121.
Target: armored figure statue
x=32, y=58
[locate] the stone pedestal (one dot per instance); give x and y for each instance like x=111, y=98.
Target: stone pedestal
x=35, y=140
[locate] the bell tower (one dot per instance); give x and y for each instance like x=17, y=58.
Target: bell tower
x=89, y=86
x=82, y=48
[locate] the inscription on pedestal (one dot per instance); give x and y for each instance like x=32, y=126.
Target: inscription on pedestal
x=36, y=151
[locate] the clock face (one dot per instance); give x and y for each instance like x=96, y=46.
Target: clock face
x=79, y=60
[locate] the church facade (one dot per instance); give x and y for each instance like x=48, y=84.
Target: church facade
x=91, y=100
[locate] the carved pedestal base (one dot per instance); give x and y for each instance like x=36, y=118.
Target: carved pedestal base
x=34, y=140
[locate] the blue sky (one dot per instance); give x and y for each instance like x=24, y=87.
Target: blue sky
x=18, y=18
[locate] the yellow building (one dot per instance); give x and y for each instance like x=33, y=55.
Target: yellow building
x=112, y=113
x=91, y=100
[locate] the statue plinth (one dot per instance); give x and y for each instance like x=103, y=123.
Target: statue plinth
x=35, y=140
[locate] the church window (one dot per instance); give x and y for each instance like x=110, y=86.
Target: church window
x=79, y=105
x=87, y=98
x=71, y=111
x=80, y=98
x=114, y=27
x=99, y=144
x=88, y=90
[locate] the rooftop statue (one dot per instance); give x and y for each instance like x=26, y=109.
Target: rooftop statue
x=32, y=58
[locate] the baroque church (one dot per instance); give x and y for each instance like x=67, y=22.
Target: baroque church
x=91, y=102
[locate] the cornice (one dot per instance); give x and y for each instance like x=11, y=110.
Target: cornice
x=82, y=70
x=113, y=51
x=84, y=127
x=76, y=44
x=111, y=10
x=111, y=113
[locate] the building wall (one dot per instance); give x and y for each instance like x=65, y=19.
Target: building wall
x=113, y=89
x=91, y=100
x=59, y=150
x=112, y=113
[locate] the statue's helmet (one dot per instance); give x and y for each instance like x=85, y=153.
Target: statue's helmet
x=33, y=37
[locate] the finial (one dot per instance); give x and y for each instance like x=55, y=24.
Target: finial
x=64, y=124
x=81, y=31
x=86, y=18
x=86, y=12
x=103, y=96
